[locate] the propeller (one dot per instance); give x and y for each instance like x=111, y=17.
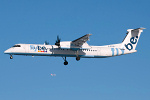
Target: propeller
x=58, y=41
x=46, y=43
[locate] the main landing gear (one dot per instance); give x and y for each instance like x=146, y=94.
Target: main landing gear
x=77, y=58
x=11, y=57
x=65, y=61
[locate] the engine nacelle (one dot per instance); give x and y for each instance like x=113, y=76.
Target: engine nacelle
x=65, y=44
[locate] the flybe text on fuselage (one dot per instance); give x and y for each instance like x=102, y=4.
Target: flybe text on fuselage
x=38, y=48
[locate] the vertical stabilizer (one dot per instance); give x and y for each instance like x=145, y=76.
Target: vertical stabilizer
x=131, y=39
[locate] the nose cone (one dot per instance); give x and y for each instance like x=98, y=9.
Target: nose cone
x=8, y=51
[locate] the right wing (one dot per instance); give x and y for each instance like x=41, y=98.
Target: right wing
x=80, y=41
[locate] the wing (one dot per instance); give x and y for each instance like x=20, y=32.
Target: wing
x=80, y=41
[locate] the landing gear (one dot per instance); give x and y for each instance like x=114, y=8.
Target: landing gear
x=66, y=62
x=11, y=57
x=77, y=58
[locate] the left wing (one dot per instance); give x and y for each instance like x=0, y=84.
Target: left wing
x=80, y=41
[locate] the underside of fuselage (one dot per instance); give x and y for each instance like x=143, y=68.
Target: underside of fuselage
x=59, y=55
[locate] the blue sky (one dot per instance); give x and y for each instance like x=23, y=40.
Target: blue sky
x=117, y=78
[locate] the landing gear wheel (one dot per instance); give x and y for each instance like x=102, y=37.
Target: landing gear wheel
x=77, y=58
x=11, y=57
x=65, y=63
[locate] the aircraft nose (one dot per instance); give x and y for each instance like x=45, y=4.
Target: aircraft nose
x=7, y=51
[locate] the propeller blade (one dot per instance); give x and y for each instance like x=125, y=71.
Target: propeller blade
x=58, y=41
x=46, y=43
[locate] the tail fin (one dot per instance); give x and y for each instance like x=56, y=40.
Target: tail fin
x=131, y=39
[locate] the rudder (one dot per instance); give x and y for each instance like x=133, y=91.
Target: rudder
x=131, y=39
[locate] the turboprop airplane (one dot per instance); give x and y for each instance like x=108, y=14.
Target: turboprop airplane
x=78, y=48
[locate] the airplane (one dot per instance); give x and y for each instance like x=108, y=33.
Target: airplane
x=79, y=48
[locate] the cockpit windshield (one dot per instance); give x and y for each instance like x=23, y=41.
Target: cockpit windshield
x=17, y=46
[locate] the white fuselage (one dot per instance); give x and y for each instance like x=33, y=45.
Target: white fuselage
x=53, y=50
x=79, y=48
